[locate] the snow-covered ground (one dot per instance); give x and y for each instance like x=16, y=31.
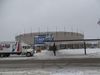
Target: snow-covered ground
x=56, y=70
x=65, y=53
x=69, y=53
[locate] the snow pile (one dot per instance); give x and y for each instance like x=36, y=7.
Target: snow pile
x=68, y=53
x=38, y=72
x=55, y=72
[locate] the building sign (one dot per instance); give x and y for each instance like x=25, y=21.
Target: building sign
x=49, y=37
x=40, y=39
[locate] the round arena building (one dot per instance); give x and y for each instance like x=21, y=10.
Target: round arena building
x=36, y=39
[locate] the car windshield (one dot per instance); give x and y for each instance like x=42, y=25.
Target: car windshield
x=26, y=47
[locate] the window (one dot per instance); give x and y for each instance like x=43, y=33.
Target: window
x=26, y=47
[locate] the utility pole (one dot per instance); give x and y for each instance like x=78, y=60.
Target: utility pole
x=85, y=48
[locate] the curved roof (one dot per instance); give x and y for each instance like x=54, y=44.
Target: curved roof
x=29, y=37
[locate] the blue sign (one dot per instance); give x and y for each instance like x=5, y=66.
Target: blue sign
x=40, y=39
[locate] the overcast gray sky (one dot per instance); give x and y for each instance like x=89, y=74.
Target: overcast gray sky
x=19, y=16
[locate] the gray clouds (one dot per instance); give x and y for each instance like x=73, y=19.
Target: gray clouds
x=19, y=15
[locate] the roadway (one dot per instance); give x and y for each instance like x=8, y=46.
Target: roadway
x=33, y=63
x=46, y=58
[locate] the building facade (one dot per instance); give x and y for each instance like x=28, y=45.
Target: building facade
x=37, y=39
